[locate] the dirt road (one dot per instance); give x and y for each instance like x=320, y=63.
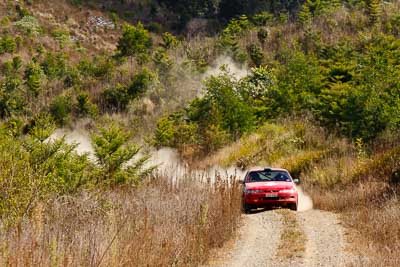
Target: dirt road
x=285, y=238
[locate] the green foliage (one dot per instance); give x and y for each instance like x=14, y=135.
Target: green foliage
x=10, y=99
x=262, y=35
x=62, y=36
x=113, y=151
x=232, y=8
x=263, y=19
x=140, y=83
x=135, y=41
x=169, y=41
x=42, y=127
x=209, y=122
x=374, y=11
x=184, y=10
x=54, y=65
x=60, y=109
x=34, y=78
x=256, y=54
x=29, y=25
x=231, y=34
x=236, y=116
x=305, y=15
x=84, y=107
x=115, y=98
x=7, y=45
x=162, y=61
x=34, y=169
x=118, y=97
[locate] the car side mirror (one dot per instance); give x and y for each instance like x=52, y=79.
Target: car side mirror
x=241, y=181
x=296, y=181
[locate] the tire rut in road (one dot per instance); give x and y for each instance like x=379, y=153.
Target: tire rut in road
x=260, y=238
x=257, y=241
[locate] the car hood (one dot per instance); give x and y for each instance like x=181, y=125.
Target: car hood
x=270, y=185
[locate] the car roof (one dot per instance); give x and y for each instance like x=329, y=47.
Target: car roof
x=272, y=169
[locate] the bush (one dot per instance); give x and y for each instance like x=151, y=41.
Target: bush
x=29, y=25
x=135, y=41
x=113, y=152
x=61, y=109
x=34, y=78
x=7, y=45
x=169, y=41
x=140, y=83
x=84, y=107
x=115, y=98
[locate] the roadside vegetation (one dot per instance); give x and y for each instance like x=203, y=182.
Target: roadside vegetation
x=318, y=94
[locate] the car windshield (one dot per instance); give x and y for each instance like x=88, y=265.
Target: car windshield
x=269, y=176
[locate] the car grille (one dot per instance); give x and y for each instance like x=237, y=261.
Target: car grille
x=271, y=198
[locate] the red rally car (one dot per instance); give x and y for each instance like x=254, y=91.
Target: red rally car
x=269, y=187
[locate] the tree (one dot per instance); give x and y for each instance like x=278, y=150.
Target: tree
x=34, y=78
x=236, y=117
x=374, y=11
x=256, y=54
x=114, y=157
x=169, y=41
x=262, y=36
x=305, y=15
x=135, y=41
x=61, y=109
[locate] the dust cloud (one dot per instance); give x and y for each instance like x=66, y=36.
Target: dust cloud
x=78, y=136
x=305, y=202
x=238, y=71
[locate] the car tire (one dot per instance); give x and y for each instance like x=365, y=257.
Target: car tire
x=293, y=206
x=246, y=209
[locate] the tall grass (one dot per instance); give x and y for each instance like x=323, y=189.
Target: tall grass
x=162, y=223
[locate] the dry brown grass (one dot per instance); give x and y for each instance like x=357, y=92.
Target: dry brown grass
x=163, y=223
x=362, y=191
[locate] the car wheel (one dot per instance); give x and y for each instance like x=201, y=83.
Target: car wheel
x=293, y=206
x=246, y=208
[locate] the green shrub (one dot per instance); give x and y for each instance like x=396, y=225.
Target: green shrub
x=140, y=83
x=113, y=151
x=256, y=54
x=162, y=61
x=34, y=78
x=262, y=35
x=7, y=45
x=301, y=162
x=115, y=98
x=169, y=41
x=60, y=109
x=29, y=25
x=263, y=19
x=62, y=36
x=84, y=107
x=135, y=41
x=54, y=65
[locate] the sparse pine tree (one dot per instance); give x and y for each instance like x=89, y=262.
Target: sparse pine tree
x=135, y=41
x=262, y=35
x=374, y=11
x=34, y=78
x=113, y=151
x=305, y=15
x=169, y=41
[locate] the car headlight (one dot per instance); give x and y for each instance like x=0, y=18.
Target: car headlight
x=253, y=191
x=288, y=191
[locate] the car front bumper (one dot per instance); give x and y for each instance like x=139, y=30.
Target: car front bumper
x=262, y=200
